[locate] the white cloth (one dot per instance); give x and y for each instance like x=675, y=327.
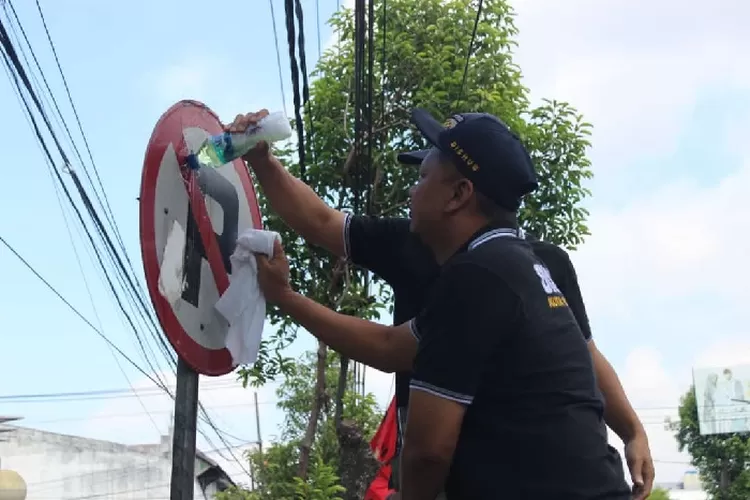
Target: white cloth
x=243, y=304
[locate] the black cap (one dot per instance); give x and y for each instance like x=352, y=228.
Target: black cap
x=484, y=150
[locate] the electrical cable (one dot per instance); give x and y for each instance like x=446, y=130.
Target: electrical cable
x=468, y=54
x=299, y=125
x=107, y=208
x=50, y=163
x=305, y=84
x=135, y=292
x=11, y=59
x=74, y=310
x=132, y=289
x=108, y=211
x=278, y=56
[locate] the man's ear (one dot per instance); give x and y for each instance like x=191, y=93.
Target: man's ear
x=463, y=191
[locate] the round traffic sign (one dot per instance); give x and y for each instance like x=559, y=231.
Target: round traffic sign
x=189, y=222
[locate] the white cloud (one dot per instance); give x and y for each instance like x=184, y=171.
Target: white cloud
x=678, y=241
x=634, y=68
x=641, y=264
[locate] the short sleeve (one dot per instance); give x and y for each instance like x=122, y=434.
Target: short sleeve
x=469, y=313
x=377, y=244
x=568, y=283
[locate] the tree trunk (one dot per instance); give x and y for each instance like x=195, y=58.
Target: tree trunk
x=320, y=381
x=357, y=464
x=341, y=389
x=312, y=424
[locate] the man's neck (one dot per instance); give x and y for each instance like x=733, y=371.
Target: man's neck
x=455, y=237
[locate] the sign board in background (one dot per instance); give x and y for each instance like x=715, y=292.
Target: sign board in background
x=722, y=395
x=189, y=221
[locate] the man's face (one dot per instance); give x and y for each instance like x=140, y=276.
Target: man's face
x=431, y=196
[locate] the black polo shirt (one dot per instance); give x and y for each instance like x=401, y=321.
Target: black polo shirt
x=386, y=247
x=497, y=335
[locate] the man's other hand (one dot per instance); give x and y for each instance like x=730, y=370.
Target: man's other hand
x=273, y=274
x=241, y=124
x=638, y=457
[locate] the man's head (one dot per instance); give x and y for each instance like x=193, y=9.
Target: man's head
x=476, y=172
x=728, y=374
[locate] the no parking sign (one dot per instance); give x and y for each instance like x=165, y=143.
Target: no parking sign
x=189, y=222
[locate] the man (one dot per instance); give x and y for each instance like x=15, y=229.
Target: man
x=387, y=248
x=503, y=397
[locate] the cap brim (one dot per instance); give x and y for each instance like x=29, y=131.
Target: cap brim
x=427, y=125
x=412, y=157
x=430, y=129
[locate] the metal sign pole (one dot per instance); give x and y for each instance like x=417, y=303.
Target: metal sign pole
x=183, y=442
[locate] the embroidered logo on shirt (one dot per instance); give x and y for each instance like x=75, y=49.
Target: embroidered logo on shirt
x=555, y=297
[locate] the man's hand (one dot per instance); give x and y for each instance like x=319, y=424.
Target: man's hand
x=273, y=274
x=240, y=124
x=641, y=466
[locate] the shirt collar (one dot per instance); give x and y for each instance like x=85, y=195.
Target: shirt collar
x=490, y=232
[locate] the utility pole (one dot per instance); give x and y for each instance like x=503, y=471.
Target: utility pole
x=257, y=424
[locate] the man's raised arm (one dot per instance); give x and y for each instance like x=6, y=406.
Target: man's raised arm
x=293, y=200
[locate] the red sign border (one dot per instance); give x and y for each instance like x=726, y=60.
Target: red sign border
x=188, y=113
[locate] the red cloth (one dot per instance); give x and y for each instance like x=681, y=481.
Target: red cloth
x=383, y=445
x=379, y=489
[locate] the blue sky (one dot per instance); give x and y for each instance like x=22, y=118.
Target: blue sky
x=669, y=107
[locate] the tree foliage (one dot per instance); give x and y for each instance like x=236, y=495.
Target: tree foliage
x=275, y=469
x=715, y=455
x=424, y=52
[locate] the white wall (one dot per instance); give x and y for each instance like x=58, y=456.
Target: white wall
x=60, y=467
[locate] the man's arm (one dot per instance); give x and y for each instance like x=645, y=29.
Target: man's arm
x=386, y=348
x=373, y=243
x=618, y=413
x=458, y=333
x=298, y=205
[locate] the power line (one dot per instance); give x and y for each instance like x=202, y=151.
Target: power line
x=106, y=205
x=13, y=63
x=278, y=56
x=133, y=291
x=469, y=52
x=109, y=416
x=299, y=124
x=75, y=311
x=103, y=393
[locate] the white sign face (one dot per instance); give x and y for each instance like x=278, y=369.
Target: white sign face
x=181, y=210
x=722, y=395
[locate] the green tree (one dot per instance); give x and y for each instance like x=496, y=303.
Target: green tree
x=722, y=460
x=420, y=62
x=659, y=494
x=275, y=468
